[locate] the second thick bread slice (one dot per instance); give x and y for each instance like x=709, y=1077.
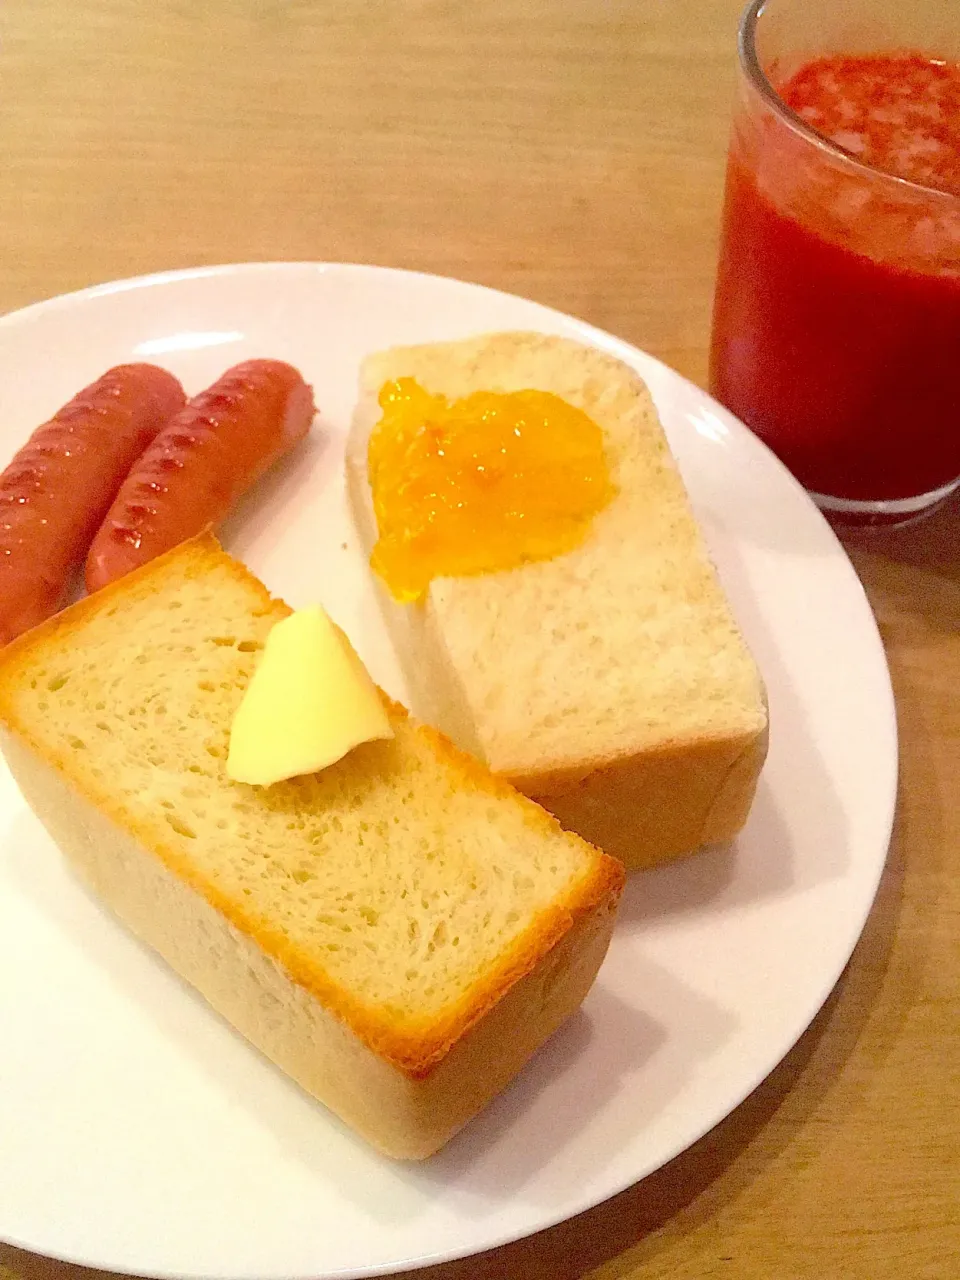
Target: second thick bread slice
x=398, y=932
x=610, y=683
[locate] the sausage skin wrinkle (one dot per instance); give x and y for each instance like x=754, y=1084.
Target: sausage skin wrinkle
x=59, y=486
x=200, y=464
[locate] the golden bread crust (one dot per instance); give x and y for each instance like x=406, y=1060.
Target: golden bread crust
x=415, y=1050
x=405, y=1117
x=628, y=808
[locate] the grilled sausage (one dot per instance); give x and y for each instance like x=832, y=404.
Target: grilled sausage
x=200, y=464
x=58, y=488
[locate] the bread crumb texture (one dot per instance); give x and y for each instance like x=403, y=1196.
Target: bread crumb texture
x=624, y=645
x=397, y=886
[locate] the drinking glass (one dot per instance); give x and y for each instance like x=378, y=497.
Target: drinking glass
x=836, y=328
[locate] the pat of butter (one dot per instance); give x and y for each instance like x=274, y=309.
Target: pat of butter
x=309, y=702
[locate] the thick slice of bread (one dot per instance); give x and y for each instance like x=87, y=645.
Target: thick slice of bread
x=610, y=683
x=399, y=932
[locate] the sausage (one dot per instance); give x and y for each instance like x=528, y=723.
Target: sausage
x=200, y=464
x=58, y=488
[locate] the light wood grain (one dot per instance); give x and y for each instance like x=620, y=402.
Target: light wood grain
x=570, y=150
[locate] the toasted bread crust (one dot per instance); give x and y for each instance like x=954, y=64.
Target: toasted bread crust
x=627, y=807
x=405, y=1117
x=416, y=1052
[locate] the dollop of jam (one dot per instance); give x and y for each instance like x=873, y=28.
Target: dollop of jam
x=485, y=483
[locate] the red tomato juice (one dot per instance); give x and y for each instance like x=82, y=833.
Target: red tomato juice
x=837, y=313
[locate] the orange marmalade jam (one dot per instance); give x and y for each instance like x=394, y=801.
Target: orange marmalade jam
x=471, y=486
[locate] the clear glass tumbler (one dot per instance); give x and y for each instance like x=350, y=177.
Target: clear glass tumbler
x=836, y=328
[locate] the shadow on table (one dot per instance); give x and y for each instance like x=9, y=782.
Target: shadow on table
x=931, y=544
x=913, y=576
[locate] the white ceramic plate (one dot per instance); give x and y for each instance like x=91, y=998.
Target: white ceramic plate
x=139, y=1133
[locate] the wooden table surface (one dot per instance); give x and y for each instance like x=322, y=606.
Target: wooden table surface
x=570, y=150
